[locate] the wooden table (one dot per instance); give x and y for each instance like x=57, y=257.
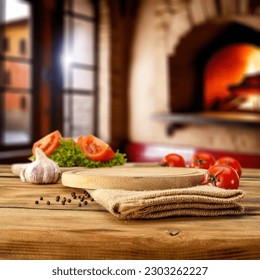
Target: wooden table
x=56, y=231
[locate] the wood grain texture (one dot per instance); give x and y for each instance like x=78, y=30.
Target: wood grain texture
x=133, y=178
x=56, y=231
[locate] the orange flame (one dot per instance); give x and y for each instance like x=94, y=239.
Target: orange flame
x=228, y=67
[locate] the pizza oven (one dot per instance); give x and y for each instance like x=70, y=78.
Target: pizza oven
x=216, y=67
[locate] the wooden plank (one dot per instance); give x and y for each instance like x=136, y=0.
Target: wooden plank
x=249, y=172
x=98, y=235
x=56, y=231
x=5, y=170
x=17, y=194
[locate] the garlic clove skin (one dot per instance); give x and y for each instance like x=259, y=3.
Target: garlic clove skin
x=22, y=171
x=51, y=175
x=42, y=171
x=34, y=173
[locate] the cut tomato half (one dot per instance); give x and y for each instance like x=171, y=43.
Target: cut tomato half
x=95, y=149
x=48, y=143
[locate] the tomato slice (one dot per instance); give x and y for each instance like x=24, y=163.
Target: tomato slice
x=48, y=143
x=95, y=149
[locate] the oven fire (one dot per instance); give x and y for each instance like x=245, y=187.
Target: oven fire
x=232, y=79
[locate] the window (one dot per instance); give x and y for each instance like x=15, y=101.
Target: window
x=22, y=46
x=80, y=71
x=6, y=44
x=23, y=103
x=16, y=73
x=7, y=78
x=35, y=97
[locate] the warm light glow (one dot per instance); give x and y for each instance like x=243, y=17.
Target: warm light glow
x=228, y=67
x=252, y=103
x=66, y=60
x=254, y=62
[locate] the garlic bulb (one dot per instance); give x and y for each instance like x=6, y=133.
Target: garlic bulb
x=42, y=171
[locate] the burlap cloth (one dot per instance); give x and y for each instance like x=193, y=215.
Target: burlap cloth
x=193, y=201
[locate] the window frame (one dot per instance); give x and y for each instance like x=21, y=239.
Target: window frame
x=41, y=75
x=94, y=68
x=23, y=147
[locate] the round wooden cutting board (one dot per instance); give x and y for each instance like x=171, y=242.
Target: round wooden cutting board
x=133, y=178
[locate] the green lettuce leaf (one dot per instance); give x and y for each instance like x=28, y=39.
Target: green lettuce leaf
x=69, y=155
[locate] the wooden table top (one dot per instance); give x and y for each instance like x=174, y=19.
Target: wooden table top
x=56, y=231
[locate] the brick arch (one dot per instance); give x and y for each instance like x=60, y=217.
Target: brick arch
x=186, y=66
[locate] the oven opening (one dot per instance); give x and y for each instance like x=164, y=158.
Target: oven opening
x=232, y=79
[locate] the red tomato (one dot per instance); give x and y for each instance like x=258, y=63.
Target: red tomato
x=95, y=149
x=202, y=160
x=173, y=160
x=80, y=141
x=231, y=162
x=48, y=143
x=222, y=176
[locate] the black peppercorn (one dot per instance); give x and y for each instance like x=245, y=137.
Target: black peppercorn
x=41, y=198
x=82, y=198
x=79, y=204
x=48, y=202
x=63, y=202
x=69, y=200
x=36, y=202
x=85, y=202
x=73, y=194
x=92, y=199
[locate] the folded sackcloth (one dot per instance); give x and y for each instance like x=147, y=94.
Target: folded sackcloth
x=193, y=201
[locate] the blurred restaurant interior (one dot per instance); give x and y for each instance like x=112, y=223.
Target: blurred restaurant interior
x=149, y=77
